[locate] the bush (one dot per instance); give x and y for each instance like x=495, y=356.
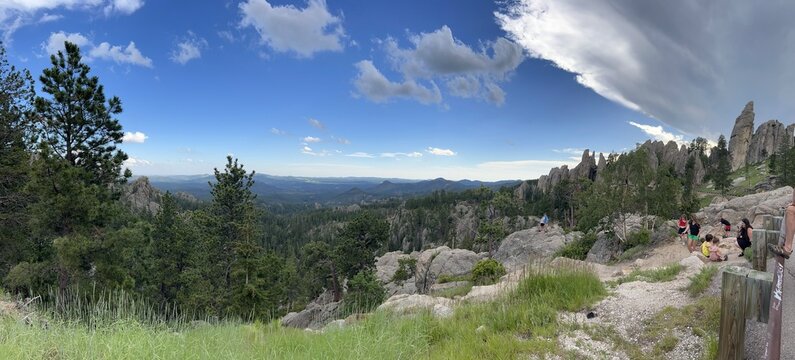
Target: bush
x=405, y=271
x=579, y=248
x=365, y=293
x=487, y=271
x=642, y=237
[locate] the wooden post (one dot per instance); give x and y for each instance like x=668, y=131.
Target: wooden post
x=759, y=243
x=777, y=220
x=767, y=222
x=731, y=341
x=773, y=339
x=757, y=295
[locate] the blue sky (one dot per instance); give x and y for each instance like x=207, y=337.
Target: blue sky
x=409, y=89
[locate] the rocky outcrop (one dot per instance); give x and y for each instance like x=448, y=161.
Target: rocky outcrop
x=316, y=315
x=385, y=268
x=404, y=304
x=605, y=249
x=433, y=263
x=600, y=166
x=767, y=141
x=525, y=246
x=522, y=191
x=740, y=140
x=751, y=207
x=587, y=168
x=141, y=196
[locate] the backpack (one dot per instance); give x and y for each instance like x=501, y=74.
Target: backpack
x=705, y=248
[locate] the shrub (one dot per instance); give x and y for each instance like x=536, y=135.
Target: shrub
x=365, y=293
x=406, y=269
x=642, y=237
x=579, y=248
x=487, y=271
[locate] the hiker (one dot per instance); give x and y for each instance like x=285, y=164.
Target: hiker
x=682, y=228
x=784, y=247
x=743, y=238
x=727, y=226
x=544, y=221
x=693, y=228
x=714, y=249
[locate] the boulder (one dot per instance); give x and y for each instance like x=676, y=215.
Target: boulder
x=316, y=315
x=433, y=263
x=404, y=304
x=740, y=140
x=387, y=265
x=693, y=263
x=442, y=311
x=524, y=246
x=750, y=206
x=605, y=249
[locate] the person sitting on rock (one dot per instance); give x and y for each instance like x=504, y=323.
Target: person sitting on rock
x=727, y=226
x=714, y=249
x=743, y=238
x=693, y=228
x=544, y=221
x=705, y=245
x=787, y=233
x=682, y=228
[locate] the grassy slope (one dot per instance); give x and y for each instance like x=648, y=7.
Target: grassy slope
x=521, y=323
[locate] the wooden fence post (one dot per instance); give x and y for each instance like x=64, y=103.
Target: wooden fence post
x=757, y=295
x=773, y=339
x=759, y=243
x=731, y=340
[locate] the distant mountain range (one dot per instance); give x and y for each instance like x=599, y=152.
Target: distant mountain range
x=345, y=190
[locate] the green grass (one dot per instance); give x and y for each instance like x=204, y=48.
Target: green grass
x=701, y=318
x=632, y=253
x=520, y=324
x=700, y=282
x=455, y=291
x=663, y=274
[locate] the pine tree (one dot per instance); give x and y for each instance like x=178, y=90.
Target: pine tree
x=16, y=97
x=170, y=249
x=720, y=177
x=76, y=122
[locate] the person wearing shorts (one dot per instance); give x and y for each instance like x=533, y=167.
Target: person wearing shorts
x=544, y=221
x=682, y=227
x=693, y=228
x=727, y=226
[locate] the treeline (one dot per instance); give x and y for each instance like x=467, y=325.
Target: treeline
x=63, y=228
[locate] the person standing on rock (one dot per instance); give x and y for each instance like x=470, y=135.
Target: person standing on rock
x=693, y=228
x=682, y=228
x=727, y=226
x=544, y=221
x=743, y=238
x=787, y=233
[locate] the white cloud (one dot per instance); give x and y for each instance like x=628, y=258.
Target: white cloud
x=276, y=131
x=440, y=152
x=134, y=137
x=308, y=151
x=127, y=55
x=414, y=154
x=15, y=14
x=188, y=49
x=311, y=139
x=693, y=67
x=342, y=141
x=134, y=162
x=123, y=6
x=373, y=85
x=658, y=133
x=439, y=56
x=317, y=124
x=55, y=42
x=49, y=18
x=290, y=29
x=360, y=155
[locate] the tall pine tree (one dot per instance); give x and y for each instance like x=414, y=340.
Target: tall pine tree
x=720, y=176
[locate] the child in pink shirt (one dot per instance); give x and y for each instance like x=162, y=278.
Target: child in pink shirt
x=714, y=251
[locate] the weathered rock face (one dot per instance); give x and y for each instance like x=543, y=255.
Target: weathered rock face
x=586, y=168
x=750, y=206
x=522, y=191
x=404, y=303
x=766, y=141
x=385, y=268
x=433, y=263
x=605, y=248
x=740, y=139
x=524, y=246
x=600, y=166
x=316, y=315
x=141, y=196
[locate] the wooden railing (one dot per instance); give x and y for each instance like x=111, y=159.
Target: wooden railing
x=753, y=294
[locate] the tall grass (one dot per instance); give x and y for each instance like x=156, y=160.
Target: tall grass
x=662, y=274
x=520, y=323
x=700, y=282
